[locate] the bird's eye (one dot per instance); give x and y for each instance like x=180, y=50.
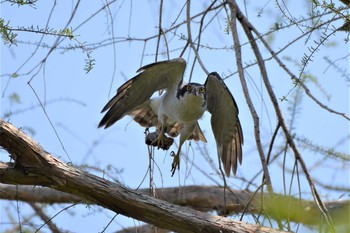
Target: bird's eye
x=188, y=87
x=201, y=89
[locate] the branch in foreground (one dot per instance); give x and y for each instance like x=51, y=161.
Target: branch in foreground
x=32, y=161
x=202, y=198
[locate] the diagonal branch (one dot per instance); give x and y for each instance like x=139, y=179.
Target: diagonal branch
x=247, y=26
x=189, y=34
x=201, y=198
x=31, y=160
x=238, y=52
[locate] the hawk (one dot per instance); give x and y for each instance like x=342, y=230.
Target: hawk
x=178, y=110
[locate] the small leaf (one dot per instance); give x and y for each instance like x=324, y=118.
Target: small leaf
x=14, y=97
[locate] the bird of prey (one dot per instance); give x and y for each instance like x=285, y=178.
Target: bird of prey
x=178, y=110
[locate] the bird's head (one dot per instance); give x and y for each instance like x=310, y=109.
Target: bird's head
x=195, y=89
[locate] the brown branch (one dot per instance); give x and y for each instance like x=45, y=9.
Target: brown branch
x=30, y=193
x=248, y=28
x=202, y=198
x=239, y=62
x=160, y=30
x=31, y=160
x=143, y=229
x=284, y=67
x=38, y=210
x=189, y=37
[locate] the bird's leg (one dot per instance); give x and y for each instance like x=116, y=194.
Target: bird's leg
x=185, y=133
x=159, y=141
x=176, y=161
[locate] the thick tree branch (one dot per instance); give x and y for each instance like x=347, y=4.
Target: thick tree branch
x=202, y=198
x=31, y=160
x=143, y=229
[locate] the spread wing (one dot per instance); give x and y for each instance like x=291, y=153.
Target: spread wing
x=136, y=91
x=224, y=122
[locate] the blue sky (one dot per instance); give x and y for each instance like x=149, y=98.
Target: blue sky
x=73, y=99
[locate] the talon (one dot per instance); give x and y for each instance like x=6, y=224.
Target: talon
x=175, y=164
x=155, y=139
x=159, y=141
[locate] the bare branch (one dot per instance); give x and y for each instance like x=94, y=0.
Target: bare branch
x=31, y=160
x=38, y=210
x=234, y=11
x=201, y=198
x=189, y=34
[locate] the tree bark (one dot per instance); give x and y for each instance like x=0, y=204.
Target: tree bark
x=201, y=198
x=34, y=166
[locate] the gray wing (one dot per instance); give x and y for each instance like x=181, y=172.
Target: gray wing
x=136, y=91
x=224, y=122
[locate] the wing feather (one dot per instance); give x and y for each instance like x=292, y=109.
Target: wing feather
x=136, y=91
x=225, y=124
x=144, y=115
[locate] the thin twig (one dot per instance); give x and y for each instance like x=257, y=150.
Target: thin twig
x=248, y=27
x=250, y=104
x=189, y=35
x=47, y=221
x=159, y=28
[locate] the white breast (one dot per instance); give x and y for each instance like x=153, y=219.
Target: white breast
x=186, y=109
